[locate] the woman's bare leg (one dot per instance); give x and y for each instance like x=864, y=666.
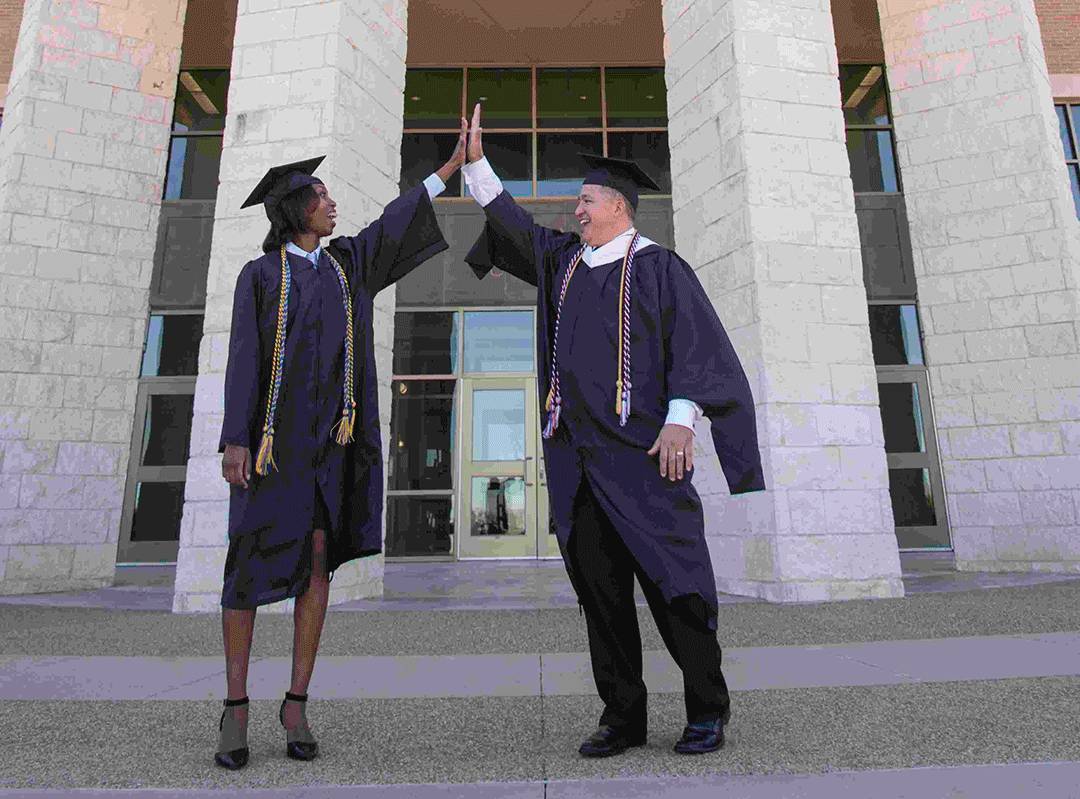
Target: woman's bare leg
x=237, y=627
x=309, y=613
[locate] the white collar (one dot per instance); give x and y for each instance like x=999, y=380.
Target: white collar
x=614, y=250
x=310, y=256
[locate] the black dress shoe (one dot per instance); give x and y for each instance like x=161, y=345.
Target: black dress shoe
x=608, y=741
x=701, y=737
x=232, y=750
x=300, y=744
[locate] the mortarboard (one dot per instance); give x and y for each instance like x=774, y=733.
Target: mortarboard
x=624, y=176
x=282, y=180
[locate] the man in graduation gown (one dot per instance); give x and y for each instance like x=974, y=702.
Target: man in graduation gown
x=630, y=353
x=300, y=437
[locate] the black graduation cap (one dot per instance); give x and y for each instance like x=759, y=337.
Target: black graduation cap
x=624, y=176
x=282, y=180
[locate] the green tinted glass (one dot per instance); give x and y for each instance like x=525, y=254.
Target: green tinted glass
x=200, y=100
x=864, y=94
x=568, y=98
x=504, y=94
x=433, y=98
x=636, y=98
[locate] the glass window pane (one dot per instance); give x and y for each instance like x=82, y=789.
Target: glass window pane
x=636, y=97
x=433, y=98
x=422, y=154
x=510, y=155
x=873, y=163
x=499, y=341
x=912, y=500
x=568, y=98
x=901, y=417
x=419, y=526
x=561, y=170
x=192, y=173
x=651, y=152
x=498, y=419
x=864, y=94
x=1063, y=130
x=1074, y=121
x=172, y=345
x=200, y=100
x=894, y=335
x=422, y=435
x=1074, y=180
x=167, y=430
x=505, y=95
x=498, y=506
x=425, y=343
x=158, y=507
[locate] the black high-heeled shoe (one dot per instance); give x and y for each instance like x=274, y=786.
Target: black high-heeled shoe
x=232, y=751
x=300, y=744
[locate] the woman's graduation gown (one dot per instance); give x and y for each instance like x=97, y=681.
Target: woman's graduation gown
x=678, y=348
x=270, y=522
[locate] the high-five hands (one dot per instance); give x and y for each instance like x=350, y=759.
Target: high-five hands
x=675, y=445
x=476, y=147
x=457, y=158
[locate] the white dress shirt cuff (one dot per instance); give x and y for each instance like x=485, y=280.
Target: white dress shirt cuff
x=483, y=184
x=434, y=185
x=683, y=412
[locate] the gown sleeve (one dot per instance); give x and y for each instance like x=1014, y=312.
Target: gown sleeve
x=701, y=365
x=513, y=242
x=404, y=236
x=242, y=370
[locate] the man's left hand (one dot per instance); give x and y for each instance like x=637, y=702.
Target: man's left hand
x=457, y=158
x=675, y=445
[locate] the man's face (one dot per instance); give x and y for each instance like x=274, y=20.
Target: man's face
x=600, y=215
x=322, y=217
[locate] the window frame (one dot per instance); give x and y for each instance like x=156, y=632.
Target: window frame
x=889, y=128
x=1074, y=134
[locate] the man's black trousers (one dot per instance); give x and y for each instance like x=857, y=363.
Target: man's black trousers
x=603, y=570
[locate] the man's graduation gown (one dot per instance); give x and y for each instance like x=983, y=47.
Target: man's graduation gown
x=279, y=507
x=678, y=349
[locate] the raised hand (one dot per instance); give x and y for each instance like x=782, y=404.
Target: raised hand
x=457, y=158
x=476, y=147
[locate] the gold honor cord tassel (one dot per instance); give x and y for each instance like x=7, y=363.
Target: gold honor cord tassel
x=344, y=427
x=264, y=461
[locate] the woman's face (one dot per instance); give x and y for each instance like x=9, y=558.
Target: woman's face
x=322, y=216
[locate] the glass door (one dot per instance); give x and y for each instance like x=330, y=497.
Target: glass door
x=503, y=506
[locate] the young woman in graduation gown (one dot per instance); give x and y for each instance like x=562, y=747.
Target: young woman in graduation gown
x=625, y=336
x=301, y=441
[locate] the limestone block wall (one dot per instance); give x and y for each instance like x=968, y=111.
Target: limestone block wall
x=307, y=79
x=82, y=158
x=996, y=251
x=764, y=211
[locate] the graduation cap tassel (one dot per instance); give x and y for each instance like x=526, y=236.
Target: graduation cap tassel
x=264, y=461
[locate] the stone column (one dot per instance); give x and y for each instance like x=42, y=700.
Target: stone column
x=997, y=257
x=82, y=159
x=764, y=210
x=311, y=79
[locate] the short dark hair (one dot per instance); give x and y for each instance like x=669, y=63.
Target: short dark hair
x=289, y=217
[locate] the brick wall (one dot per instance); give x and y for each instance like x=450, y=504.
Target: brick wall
x=1060, y=24
x=10, y=18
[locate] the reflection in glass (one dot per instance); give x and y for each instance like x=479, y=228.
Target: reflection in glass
x=433, y=98
x=504, y=94
x=499, y=341
x=425, y=343
x=1074, y=180
x=422, y=435
x=498, y=425
x=873, y=163
x=901, y=417
x=498, y=506
x=167, y=430
x=1063, y=129
x=201, y=100
x=636, y=97
x=560, y=169
x=419, y=526
x=172, y=345
x=192, y=173
x=510, y=155
x=864, y=94
x=650, y=150
x=912, y=501
x=158, y=507
x=894, y=335
x=568, y=97
x=422, y=154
